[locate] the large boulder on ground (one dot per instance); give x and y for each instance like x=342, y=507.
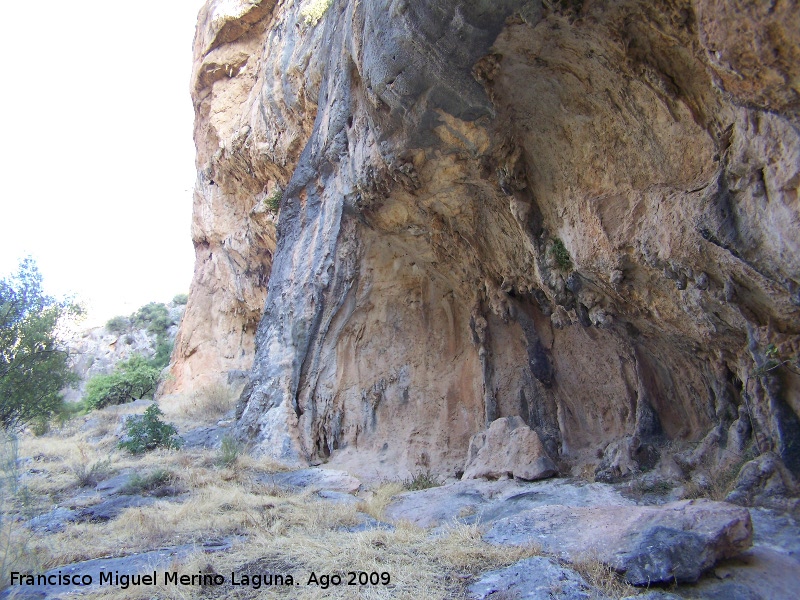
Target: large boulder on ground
x=647, y=544
x=509, y=448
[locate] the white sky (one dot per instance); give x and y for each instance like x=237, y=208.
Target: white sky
x=96, y=150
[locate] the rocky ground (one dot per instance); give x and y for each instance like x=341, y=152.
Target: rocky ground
x=82, y=506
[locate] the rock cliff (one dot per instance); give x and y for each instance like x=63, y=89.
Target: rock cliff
x=581, y=213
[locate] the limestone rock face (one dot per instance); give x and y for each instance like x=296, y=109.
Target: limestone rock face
x=585, y=214
x=509, y=448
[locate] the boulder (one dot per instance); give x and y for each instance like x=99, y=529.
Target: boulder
x=766, y=482
x=52, y=521
x=647, y=544
x=536, y=578
x=114, y=485
x=623, y=458
x=509, y=448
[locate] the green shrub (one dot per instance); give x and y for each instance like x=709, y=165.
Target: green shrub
x=67, y=410
x=561, y=256
x=422, y=480
x=90, y=474
x=148, y=432
x=180, y=299
x=229, y=451
x=131, y=380
x=139, y=484
x=273, y=201
x=163, y=352
x=773, y=360
x=40, y=426
x=154, y=316
x=118, y=325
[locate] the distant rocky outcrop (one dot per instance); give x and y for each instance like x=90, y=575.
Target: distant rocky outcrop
x=412, y=219
x=97, y=351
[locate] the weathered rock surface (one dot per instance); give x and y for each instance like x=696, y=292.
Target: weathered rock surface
x=536, y=578
x=674, y=542
x=313, y=478
x=475, y=501
x=144, y=562
x=585, y=214
x=508, y=448
x=112, y=507
x=766, y=482
x=205, y=437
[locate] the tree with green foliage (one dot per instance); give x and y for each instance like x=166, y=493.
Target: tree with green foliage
x=131, y=380
x=118, y=324
x=163, y=353
x=154, y=316
x=148, y=432
x=34, y=362
x=180, y=299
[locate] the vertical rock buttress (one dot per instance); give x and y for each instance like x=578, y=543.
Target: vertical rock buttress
x=586, y=216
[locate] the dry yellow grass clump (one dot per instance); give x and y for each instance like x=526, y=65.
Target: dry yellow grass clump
x=204, y=406
x=419, y=565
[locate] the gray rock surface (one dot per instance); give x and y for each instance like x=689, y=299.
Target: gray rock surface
x=52, y=521
x=313, y=478
x=473, y=501
x=114, y=485
x=766, y=482
x=144, y=562
x=776, y=530
x=111, y=508
x=653, y=595
x=677, y=541
x=536, y=578
x=205, y=437
x=338, y=497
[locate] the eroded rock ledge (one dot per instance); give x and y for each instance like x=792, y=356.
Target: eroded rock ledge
x=584, y=214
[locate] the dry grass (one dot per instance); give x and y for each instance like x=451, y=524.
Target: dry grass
x=278, y=531
x=17, y=552
x=419, y=565
x=714, y=481
x=281, y=532
x=380, y=498
x=603, y=577
x=205, y=406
